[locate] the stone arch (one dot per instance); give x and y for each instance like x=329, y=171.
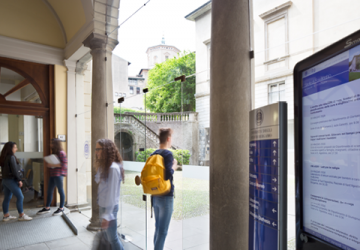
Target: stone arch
x=125, y=142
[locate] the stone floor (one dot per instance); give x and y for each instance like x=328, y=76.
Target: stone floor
x=83, y=241
x=189, y=234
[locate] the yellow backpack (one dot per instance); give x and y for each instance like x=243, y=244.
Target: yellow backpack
x=153, y=176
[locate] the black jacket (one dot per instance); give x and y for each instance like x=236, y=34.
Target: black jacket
x=10, y=170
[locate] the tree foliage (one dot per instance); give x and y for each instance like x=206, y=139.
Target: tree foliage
x=124, y=110
x=164, y=96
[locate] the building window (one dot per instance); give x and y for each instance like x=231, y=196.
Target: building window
x=276, y=36
x=137, y=91
x=166, y=57
x=276, y=39
x=276, y=92
x=131, y=90
x=116, y=94
x=155, y=59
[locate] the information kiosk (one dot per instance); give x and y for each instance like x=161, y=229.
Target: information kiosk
x=327, y=147
x=268, y=178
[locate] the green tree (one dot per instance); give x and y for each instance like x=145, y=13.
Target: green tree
x=124, y=110
x=164, y=96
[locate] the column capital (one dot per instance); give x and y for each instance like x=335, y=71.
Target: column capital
x=97, y=41
x=82, y=64
x=70, y=65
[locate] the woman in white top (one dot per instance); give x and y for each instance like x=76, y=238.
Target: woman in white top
x=109, y=175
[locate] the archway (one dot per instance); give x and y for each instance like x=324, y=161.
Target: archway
x=125, y=147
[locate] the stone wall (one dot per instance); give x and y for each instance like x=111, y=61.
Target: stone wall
x=185, y=136
x=185, y=126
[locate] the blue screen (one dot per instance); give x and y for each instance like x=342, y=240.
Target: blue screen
x=331, y=150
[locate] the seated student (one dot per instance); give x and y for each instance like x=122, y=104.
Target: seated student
x=163, y=205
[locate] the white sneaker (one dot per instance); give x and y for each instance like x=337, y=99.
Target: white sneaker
x=25, y=218
x=10, y=217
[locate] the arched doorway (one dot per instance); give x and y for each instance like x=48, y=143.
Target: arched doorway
x=27, y=118
x=124, y=143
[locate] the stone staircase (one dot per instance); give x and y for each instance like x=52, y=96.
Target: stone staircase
x=139, y=126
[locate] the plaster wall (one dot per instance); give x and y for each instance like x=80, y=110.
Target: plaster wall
x=120, y=76
x=185, y=136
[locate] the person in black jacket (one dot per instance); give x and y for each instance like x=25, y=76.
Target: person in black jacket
x=11, y=182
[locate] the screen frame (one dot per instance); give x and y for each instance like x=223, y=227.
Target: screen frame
x=306, y=241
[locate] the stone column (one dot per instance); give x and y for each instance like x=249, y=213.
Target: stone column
x=99, y=109
x=229, y=124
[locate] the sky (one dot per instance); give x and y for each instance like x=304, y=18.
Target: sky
x=146, y=28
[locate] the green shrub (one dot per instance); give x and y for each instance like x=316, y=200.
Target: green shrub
x=181, y=155
x=124, y=110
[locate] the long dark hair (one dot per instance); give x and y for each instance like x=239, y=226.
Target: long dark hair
x=109, y=155
x=56, y=146
x=6, y=151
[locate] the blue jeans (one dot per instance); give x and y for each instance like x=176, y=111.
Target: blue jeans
x=111, y=231
x=10, y=187
x=163, y=209
x=58, y=182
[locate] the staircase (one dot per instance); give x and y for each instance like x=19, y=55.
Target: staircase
x=139, y=126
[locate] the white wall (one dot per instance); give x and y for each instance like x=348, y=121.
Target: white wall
x=203, y=36
x=4, y=130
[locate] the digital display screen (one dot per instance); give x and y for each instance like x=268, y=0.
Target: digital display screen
x=331, y=150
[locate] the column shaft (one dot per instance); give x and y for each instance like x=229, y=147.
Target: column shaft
x=98, y=122
x=230, y=99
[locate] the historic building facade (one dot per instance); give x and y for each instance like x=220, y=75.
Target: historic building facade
x=285, y=32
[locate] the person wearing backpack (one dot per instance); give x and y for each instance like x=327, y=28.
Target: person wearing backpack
x=163, y=204
x=11, y=182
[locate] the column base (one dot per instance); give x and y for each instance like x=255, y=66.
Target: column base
x=93, y=227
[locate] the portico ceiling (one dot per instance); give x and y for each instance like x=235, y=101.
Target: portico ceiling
x=47, y=22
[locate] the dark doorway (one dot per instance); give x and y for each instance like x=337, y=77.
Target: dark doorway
x=126, y=145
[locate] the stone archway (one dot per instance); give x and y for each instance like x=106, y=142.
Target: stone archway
x=125, y=145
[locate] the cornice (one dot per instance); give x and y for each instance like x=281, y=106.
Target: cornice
x=29, y=51
x=273, y=11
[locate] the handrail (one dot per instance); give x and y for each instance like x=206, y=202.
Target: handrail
x=153, y=133
x=166, y=117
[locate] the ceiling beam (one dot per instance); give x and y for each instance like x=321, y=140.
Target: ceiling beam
x=21, y=85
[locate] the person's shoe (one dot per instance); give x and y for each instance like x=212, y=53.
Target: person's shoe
x=58, y=212
x=25, y=218
x=9, y=218
x=43, y=211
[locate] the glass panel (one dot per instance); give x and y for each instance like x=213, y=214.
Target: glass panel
x=196, y=162
x=16, y=88
x=29, y=140
x=131, y=141
x=282, y=95
x=83, y=137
